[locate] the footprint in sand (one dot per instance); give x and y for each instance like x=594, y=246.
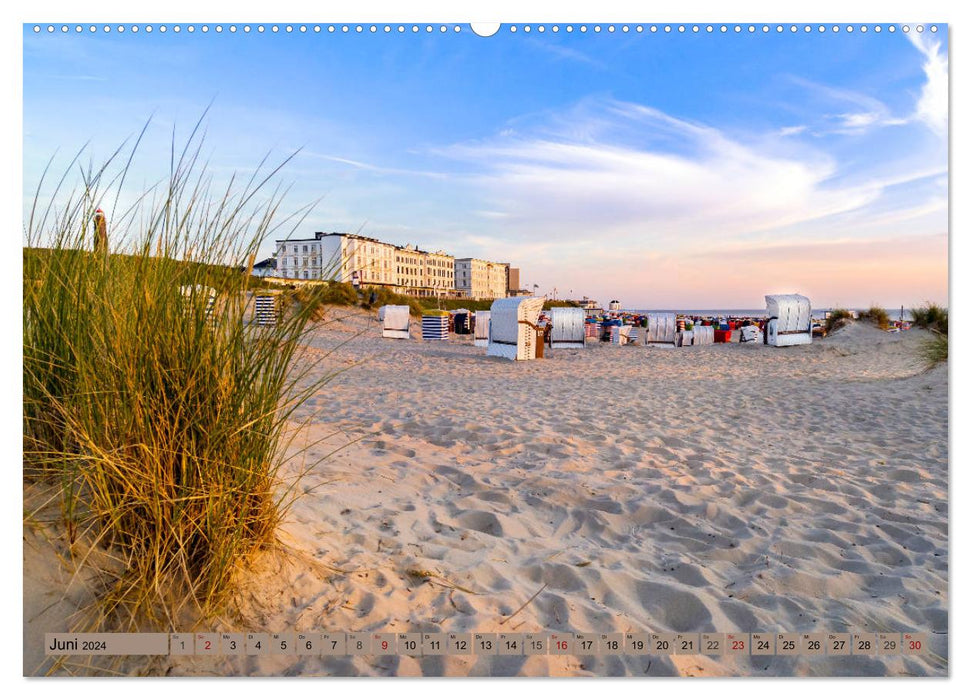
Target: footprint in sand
x=481, y=521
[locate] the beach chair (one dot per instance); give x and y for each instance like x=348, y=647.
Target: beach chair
x=790, y=320
x=685, y=338
x=266, y=311
x=397, y=322
x=620, y=335
x=201, y=293
x=662, y=329
x=434, y=325
x=591, y=330
x=568, y=327
x=507, y=336
x=462, y=321
x=481, y=331
x=704, y=335
x=748, y=334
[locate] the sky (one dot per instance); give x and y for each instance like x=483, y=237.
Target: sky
x=664, y=169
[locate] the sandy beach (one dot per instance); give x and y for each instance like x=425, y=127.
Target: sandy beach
x=716, y=488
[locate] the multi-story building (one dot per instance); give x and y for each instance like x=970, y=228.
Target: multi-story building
x=481, y=279
x=439, y=274
x=498, y=285
x=348, y=257
x=299, y=259
x=341, y=256
x=512, y=288
x=409, y=269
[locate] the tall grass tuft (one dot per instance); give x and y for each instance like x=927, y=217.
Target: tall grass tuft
x=158, y=416
x=933, y=350
x=837, y=319
x=933, y=318
x=930, y=316
x=877, y=316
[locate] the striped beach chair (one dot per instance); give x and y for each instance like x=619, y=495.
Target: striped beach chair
x=434, y=325
x=265, y=305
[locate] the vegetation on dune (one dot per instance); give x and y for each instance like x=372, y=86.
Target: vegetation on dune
x=933, y=318
x=877, y=316
x=384, y=297
x=930, y=316
x=837, y=319
x=153, y=411
x=934, y=350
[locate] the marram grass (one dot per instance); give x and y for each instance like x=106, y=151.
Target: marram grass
x=159, y=420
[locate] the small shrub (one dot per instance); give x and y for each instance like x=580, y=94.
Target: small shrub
x=385, y=297
x=930, y=316
x=837, y=319
x=877, y=316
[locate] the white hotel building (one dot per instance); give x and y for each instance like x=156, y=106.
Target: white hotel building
x=481, y=279
x=405, y=269
x=337, y=256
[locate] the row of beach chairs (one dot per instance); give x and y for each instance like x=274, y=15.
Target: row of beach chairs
x=509, y=328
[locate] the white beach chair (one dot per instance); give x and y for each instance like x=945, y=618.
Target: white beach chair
x=704, y=335
x=662, y=329
x=397, y=322
x=507, y=336
x=620, y=335
x=192, y=292
x=748, y=334
x=481, y=332
x=685, y=338
x=790, y=320
x=568, y=327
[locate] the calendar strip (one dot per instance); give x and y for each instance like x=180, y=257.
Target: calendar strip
x=488, y=644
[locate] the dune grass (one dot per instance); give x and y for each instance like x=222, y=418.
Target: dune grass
x=877, y=316
x=933, y=318
x=155, y=416
x=930, y=316
x=837, y=319
x=934, y=350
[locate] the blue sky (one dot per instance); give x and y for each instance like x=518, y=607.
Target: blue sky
x=664, y=169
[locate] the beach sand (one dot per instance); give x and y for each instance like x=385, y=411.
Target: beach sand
x=717, y=488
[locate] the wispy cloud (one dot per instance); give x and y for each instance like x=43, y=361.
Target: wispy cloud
x=565, y=52
x=932, y=106
x=372, y=168
x=681, y=179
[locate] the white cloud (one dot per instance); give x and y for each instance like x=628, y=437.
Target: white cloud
x=932, y=105
x=859, y=120
x=681, y=181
